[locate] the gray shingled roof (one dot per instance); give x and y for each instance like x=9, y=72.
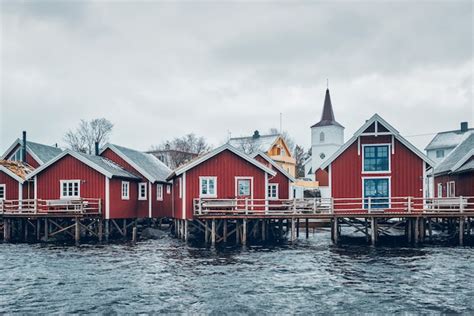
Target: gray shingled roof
x=43, y=152
x=147, y=162
x=261, y=143
x=458, y=153
x=448, y=139
x=466, y=167
x=110, y=166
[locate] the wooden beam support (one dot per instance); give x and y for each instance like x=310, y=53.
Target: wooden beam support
x=307, y=228
x=224, y=230
x=77, y=234
x=461, y=231
x=373, y=230
x=213, y=232
x=244, y=232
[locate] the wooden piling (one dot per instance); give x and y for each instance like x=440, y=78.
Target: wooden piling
x=107, y=230
x=461, y=231
x=244, y=231
x=409, y=230
x=225, y=230
x=335, y=230
x=417, y=230
x=293, y=231
x=6, y=230
x=77, y=230
x=124, y=229
x=264, y=228
x=430, y=229
x=373, y=230
x=38, y=229
x=134, y=234
x=186, y=230
x=307, y=228
x=206, y=232
x=100, y=229
x=213, y=232
x=46, y=229
x=25, y=231
x=297, y=228
x=237, y=232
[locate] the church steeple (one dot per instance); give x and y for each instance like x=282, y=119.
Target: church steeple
x=327, y=118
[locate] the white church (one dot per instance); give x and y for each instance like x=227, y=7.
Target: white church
x=326, y=137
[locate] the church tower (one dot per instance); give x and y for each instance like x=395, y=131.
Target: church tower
x=326, y=136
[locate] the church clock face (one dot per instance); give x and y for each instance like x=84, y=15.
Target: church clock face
x=322, y=155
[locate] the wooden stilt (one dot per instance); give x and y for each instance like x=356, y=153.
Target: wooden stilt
x=367, y=236
x=225, y=230
x=77, y=230
x=280, y=228
x=461, y=231
x=409, y=230
x=107, y=230
x=206, y=232
x=244, y=231
x=237, y=232
x=124, y=229
x=430, y=229
x=6, y=230
x=307, y=228
x=213, y=232
x=186, y=230
x=373, y=230
x=46, y=229
x=255, y=227
x=468, y=227
x=25, y=238
x=335, y=230
x=134, y=234
x=38, y=229
x=100, y=228
x=293, y=231
x=297, y=228
x=264, y=228
x=417, y=230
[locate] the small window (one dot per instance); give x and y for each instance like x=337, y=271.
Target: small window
x=159, y=192
x=142, y=191
x=70, y=189
x=322, y=137
x=168, y=189
x=3, y=191
x=272, y=191
x=439, y=153
x=376, y=158
x=451, y=189
x=440, y=190
x=125, y=190
x=17, y=155
x=207, y=186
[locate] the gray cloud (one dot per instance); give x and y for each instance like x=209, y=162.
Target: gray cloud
x=159, y=70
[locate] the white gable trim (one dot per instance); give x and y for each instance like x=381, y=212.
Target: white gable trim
x=216, y=151
x=18, y=142
x=11, y=174
x=75, y=155
x=393, y=131
x=274, y=164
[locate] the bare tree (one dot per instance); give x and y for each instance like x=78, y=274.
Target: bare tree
x=84, y=137
x=300, y=157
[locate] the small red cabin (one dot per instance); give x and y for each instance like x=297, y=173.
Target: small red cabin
x=73, y=176
x=377, y=169
x=279, y=186
x=224, y=173
x=154, y=198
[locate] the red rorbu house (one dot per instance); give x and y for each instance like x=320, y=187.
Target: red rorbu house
x=224, y=173
x=377, y=169
x=154, y=192
x=454, y=175
x=73, y=176
x=279, y=186
x=13, y=183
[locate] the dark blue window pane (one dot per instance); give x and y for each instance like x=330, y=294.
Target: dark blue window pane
x=376, y=158
x=377, y=190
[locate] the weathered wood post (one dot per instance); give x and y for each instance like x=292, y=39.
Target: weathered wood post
x=409, y=230
x=225, y=230
x=124, y=229
x=264, y=228
x=213, y=232
x=307, y=228
x=77, y=230
x=293, y=231
x=46, y=229
x=335, y=230
x=186, y=230
x=430, y=229
x=134, y=234
x=366, y=230
x=6, y=230
x=38, y=229
x=417, y=230
x=206, y=231
x=297, y=228
x=107, y=230
x=100, y=228
x=461, y=231
x=373, y=230
x=244, y=232
x=237, y=232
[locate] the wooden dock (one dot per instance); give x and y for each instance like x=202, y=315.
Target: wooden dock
x=241, y=220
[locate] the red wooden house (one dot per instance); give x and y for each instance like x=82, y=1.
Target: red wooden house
x=72, y=176
x=279, y=186
x=376, y=169
x=454, y=175
x=13, y=183
x=154, y=192
x=224, y=173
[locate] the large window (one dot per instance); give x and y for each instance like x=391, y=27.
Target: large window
x=159, y=192
x=376, y=193
x=440, y=190
x=243, y=187
x=125, y=190
x=376, y=158
x=3, y=191
x=451, y=189
x=70, y=189
x=208, y=186
x=142, y=191
x=272, y=191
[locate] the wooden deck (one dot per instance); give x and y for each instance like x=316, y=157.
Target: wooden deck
x=34, y=208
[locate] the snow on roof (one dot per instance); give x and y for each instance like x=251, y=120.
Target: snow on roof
x=261, y=143
x=460, y=155
x=449, y=139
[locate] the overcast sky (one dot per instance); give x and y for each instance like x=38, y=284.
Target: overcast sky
x=160, y=70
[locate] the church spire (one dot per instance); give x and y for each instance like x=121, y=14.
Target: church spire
x=327, y=118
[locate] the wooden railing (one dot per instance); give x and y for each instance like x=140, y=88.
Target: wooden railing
x=38, y=206
x=204, y=206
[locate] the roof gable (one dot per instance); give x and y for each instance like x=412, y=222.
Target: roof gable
x=40, y=152
x=449, y=139
x=274, y=164
x=458, y=156
x=215, y=152
x=376, y=120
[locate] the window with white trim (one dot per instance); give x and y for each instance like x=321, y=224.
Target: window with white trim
x=207, y=186
x=159, y=192
x=440, y=190
x=376, y=158
x=142, y=191
x=70, y=189
x=3, y=191
x=272, y=191
x=125, y=190
x=168, y=189
x=451, y=189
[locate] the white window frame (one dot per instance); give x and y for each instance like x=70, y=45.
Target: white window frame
x=389, y=158
x=269, y=191
x=451, y=185
x=168, y=189
x=159, y=192
x=62, y=182
x=208, y=195
x=140, y=197
x=18, y=152
x=4, y=186
x=127, y=195
x=440, y=190
x=389, y=189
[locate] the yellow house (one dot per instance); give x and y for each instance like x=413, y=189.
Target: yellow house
x=273, y=145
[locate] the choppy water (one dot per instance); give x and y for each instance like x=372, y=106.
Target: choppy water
x=167, y=276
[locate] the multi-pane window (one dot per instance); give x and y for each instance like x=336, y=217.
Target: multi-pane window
x=207, y=186
x=378, y=191
x=125, y=190
x=70, y=188
x=272, y=191
x=376, y=158
x=440, y=153
x=451, y=189
x=3, y=191
x=243, y=187
x=440, y=190
x=142, y=191
x=159, y=192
